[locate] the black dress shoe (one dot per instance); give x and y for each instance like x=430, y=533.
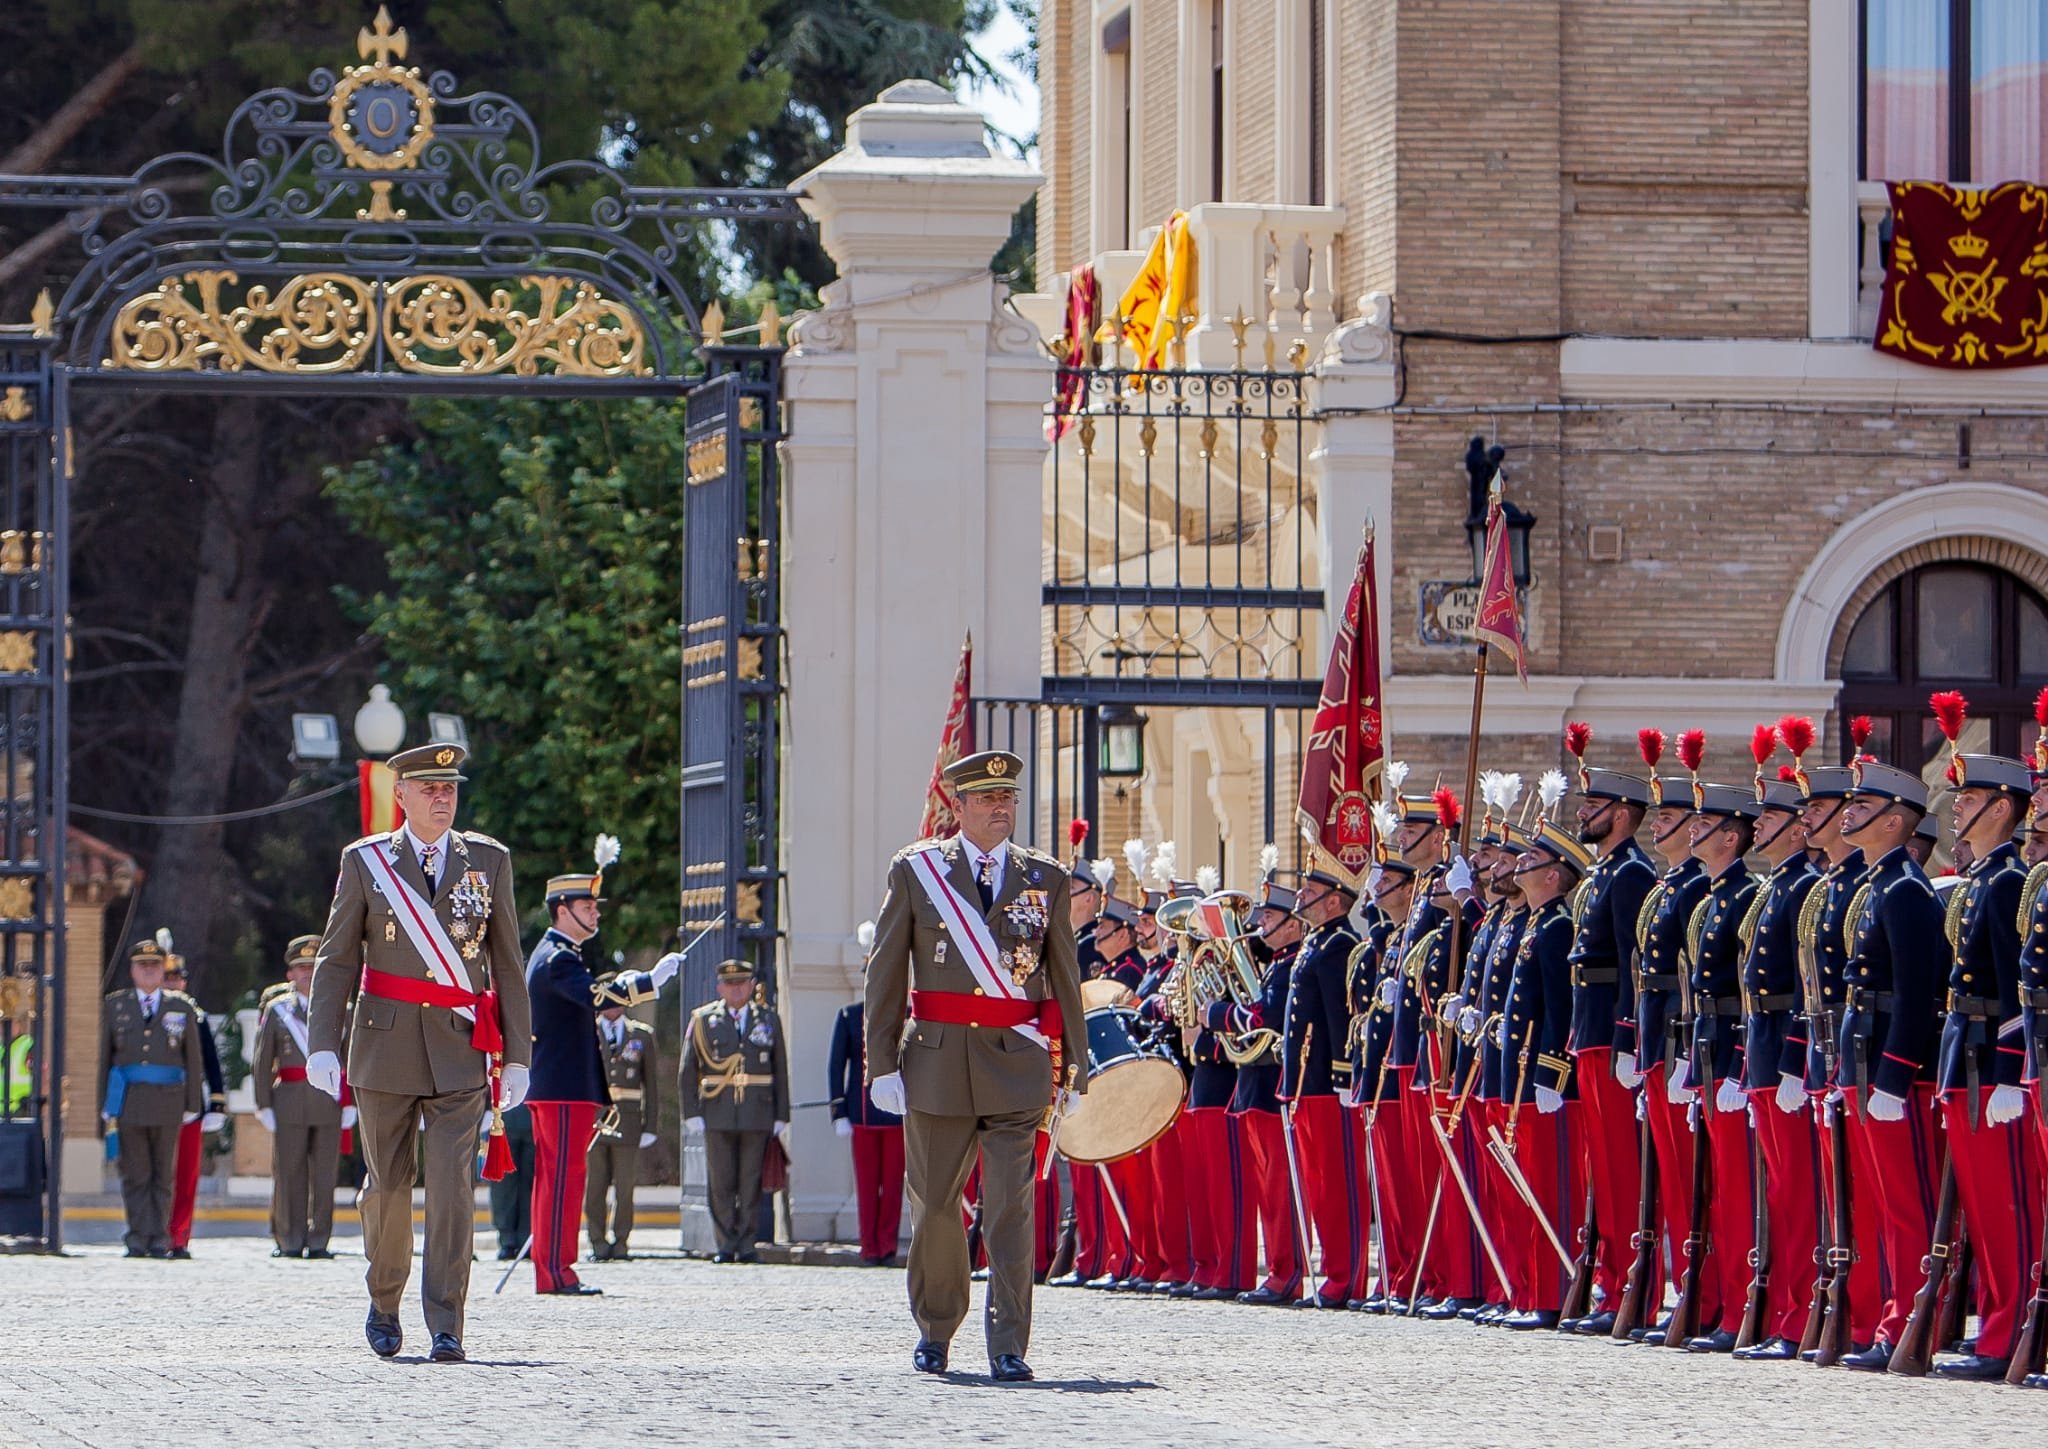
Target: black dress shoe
x=1595, y=1325
x=1771, y=1350
x=1180, y=1290
x=1102, y=1284
x=1875, y=1359
x=2034, y=1381
x=1395, y=1307
x=383, y=1332
x=1211, y=1295
x=1472, y=1312
x=1719, y=1341
x=1534, y=1319
x=1067, y=1280
x=160, y=1253
x=179, y=1253
x=274, y=1252
x=574, y=1290
x=1009, y=1368
x=1445, y=1309
x=1266, y=1298
x=1976, y=1367
x=750, y=1256
x=447, y=1348
x=136, y=1253
x=928, y=1357
x=721, y=1257
x=319, y=1254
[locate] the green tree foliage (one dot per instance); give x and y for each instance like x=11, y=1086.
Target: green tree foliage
x=535, y=573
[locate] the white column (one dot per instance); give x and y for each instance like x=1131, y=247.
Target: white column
x=1832, y=168
x=1351, y=461
x=913, y=514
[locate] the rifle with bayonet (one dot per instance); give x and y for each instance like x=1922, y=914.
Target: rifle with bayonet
x=1913, y=1355
x=1685, y=1314
x=1628, y=1314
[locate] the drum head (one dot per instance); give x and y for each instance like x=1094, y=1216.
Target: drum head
x=1126, y=1108
x=1103, y=991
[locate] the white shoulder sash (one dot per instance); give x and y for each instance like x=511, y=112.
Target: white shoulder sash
x=422, y=927
x=977, y=947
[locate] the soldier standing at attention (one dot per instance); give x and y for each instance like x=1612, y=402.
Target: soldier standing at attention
x=631, y=1069
x=975, y=945
x=735, y=1093
x=192, y=1136
x=304, y=1124
x=151, y=1088
x=875, y=1136
x=423, y=921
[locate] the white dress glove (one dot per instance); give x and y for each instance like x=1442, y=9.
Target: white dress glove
x=1459, y=877
x=511, y=1086
x=323, y=1070
x=1625, y=1070
x=887, y=1093
x=1547, y=1101
x=268, y=1118
x=777, y=1129
x=1469, y=1022
x=1791, y=1093
x=694, y=1126
x=842, y=1127
x=646, y=1139
x=1500, y=1034
x=1675, y=1088
x=2006, y=1105
x=1728, y=1096
x=213, y=1121
x=348, y=1118
x=188, y=1118
x=1884, y=1107
x=1390, y=992
x=665, y=969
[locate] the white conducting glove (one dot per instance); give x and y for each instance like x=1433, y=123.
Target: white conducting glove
x=887, y=1093
x=213, y=1121
x=1459, y=877
x=268, y=1118
x=1675, y=1088
x=843, y=1127
x=2006, y=1105
x=1500, y=1033
x=323, y=1070
x=694, y=1126
x=1625, y=1070
x=1791, y=1093
x=1390, y=992
x=1548, y=1101
x=1728, y=1096
x=348, y=1118
x=511, y=1086
x=646, y=1139
x=665, y=969
x=188, y=1118
x=1469, y=1022
x=1884, y=1107
x=777, y=1129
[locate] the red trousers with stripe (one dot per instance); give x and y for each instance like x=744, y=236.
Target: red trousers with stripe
x=1552, y=1163
x=1671, y=1136
x=1404, y=1183
x=878, y=1189
x=1457, y=1265
x=1101, y=1244
x=1266, y=1146
x=1998, y=1182
x=1792, y=1197
x=1221, y=1221
x=1866, y=1300
x=1731, y=1218
x=1896, y=1166
x=561, y=1151
x=1498, y=1205
x=1331, y=1146
x=1612, y=1147
x=1166, y=1245
x=185, y=1183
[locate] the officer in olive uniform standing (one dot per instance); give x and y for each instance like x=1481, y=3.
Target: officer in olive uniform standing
x=974, y=944
x=304, y=1123
x=736, y=1094
x=632, y=1069
x=152, y=1086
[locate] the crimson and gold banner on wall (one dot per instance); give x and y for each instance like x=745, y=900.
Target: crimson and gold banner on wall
x=1968, y=282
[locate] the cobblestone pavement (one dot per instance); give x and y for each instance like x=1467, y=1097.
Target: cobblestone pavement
x=234, y=1346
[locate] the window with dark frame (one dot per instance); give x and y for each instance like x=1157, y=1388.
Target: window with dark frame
x=1952, y=90
x=1218, y=109
x=1318, y=102
x=1116, y=44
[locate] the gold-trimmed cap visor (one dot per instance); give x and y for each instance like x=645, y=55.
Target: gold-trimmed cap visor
x=429, y=762
x=989, y=770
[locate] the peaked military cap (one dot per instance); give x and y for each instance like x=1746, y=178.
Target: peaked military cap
x=146, y=952
x=1277, y=897
x=1417, y=807
x=1831, y=782
x=735, y=969
x=1889, y=783
x=576, y=886
x=1672, y=791
x=1731, y=802
x=429, y=762
x=1929, y=829
x=1560, y=845
x=1122, y=912
x=1993, y=772
x=1777, y=795
x=989, y=770
x=1599, y=783
x=301, y=950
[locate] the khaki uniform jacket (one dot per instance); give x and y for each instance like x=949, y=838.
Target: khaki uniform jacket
x=171, y=1040
x=298, y=1104
x=633, y=1072
x=395, y=1046
x=968, y=1071
x=712, y=1050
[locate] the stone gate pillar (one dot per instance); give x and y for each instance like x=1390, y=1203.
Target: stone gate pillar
x=913, y=514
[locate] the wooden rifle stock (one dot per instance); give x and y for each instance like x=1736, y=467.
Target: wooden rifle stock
x=1914, y=1352
x=1685, y=1315
x=1578, y=1297
x=1628, y=1314
x=1751, y=1328
x=1823, y=1274
x=2032, y=1347
x=1833, y=1341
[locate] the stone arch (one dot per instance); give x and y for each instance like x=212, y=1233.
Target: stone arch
x=1991, y=523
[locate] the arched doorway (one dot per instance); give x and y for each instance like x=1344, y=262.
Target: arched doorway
x=1959, y=625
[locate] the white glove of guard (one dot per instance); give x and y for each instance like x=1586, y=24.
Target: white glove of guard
x=646, y=1139
x=1675, y=1088
x=665, y=969
x=268, y=1118
x=213, y=1121
x=694, y=1126
x=348, y=1117
x=1450, y=1009
x=1469, y=1022
x=1372, y=881
x=1390, y=992
x=1728, y=1097
x=843, y=1127
x=1459, y=877
x=187, y=1118
x=887, y=1093
x=2006, y=1105
x=323, y=1070
x=1625, y=1070
x=1791, y=1093
x=1829, y=1105
x=511, y=1086
x=1500, y=1033
x=1547, y=1101
x=1884, y=1107
x=778, y=1128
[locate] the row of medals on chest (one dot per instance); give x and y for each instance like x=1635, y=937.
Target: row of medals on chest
x=1027, y=918
x=469, y=907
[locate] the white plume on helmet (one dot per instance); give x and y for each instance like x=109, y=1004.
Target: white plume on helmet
x=1550, y=789
x=163, y=939
x=1134, y=861
x=1164, y=860
x=1104, y=871
x=607, y=850
x=1396, y=776
x=1207, y=879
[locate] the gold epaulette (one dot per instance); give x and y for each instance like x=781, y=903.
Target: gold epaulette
x=1958, y=907
x=1696, y=932
x=2030, y=895
x=1418, y=955
x=1810, y=911
x=477, y=837
x=1747, y=930
x=1581, y=894
x=1652, y=903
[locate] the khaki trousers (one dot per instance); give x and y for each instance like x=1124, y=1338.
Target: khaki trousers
x=939, y=1151
x=388, y=1124
x=149, y=1158
x=732, y=1174
x=614, y=1168
x=303, y=1164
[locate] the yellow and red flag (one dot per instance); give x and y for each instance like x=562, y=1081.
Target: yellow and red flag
x=1158, y=297
x=941, y=808
x=1070, y=394
x=1967, y=286
x=1499, y=620
x=376, y=799
x=1340, y=769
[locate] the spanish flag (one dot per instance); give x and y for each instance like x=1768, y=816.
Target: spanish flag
x=1160, y=295
x=380, y=812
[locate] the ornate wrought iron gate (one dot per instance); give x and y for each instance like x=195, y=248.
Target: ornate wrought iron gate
x=378, y=232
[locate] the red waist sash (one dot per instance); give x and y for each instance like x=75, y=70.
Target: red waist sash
x=485, y=1037
x=961, y=1008
x=291, y=1074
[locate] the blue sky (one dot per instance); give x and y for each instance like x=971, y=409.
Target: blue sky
x=1013, y=107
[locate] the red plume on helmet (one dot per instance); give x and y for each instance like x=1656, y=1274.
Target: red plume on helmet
x=1077, y=835
x=1448, y=810
x=1789, y=775
x=2041, y=741
x=1651, y=744
x=1798, y=734
x=1763, y=743
x=1692, y=749
x=1860, y=729
x=1950, y=710
x=1577, y=735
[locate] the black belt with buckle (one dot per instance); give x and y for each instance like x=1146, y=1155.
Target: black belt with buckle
x=1595, y=975
x=2036, y=999
x=1757, y=1003
x=1862, y=998
x=1716, y=1006
x=1983, y=1008
x=1649, y=981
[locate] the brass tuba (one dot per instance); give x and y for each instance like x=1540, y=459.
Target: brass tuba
x=1222, y=968
x=1178, y=987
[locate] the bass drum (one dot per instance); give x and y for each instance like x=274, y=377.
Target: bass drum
x=1134, y=1092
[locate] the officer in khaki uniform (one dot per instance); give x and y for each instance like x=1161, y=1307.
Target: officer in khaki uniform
x=736, y=1093
x=975, y=945
x=153, y=1084
x=304, y=1123
x=633, y=1071
x=429, y=1023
